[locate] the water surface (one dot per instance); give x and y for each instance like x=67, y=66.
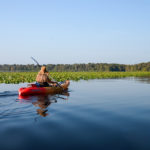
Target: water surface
x=95, y=114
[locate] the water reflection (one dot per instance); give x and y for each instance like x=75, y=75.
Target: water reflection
x=43, y=101
x=143, y=79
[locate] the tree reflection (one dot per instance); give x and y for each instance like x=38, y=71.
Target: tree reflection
x=43, y=101
x=143, y=79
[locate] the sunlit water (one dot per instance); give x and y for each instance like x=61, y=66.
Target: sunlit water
x=96, y=114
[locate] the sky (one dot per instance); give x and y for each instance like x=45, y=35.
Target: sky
x=74, y=31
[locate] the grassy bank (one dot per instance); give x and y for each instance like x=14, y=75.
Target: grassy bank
x=18, y=77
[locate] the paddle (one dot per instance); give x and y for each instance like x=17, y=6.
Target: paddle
x=36, y=62
x=49, y=74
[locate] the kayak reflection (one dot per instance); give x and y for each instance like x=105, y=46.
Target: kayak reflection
x=43, y=101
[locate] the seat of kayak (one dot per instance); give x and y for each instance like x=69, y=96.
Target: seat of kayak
x=36, y=84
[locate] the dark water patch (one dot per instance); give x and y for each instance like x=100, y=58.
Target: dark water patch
x=8, y=93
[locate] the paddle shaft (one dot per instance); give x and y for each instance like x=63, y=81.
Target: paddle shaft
x=56, y=82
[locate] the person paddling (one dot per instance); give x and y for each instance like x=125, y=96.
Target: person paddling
x=42, y=78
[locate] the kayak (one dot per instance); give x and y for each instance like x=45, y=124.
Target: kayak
x=33, y=89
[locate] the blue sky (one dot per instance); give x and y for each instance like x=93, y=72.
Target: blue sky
x=74, y=31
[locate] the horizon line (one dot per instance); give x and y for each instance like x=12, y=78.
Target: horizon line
x=81, y=63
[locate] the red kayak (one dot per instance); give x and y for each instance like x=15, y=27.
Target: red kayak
x=33, y=89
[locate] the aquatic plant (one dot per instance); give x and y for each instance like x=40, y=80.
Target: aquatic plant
x=29, y=77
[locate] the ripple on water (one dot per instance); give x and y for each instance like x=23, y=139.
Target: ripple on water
x=115, y=115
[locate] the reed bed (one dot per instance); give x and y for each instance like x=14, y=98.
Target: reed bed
x=29, y=77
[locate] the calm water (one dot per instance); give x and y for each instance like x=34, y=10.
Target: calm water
x=97, y=114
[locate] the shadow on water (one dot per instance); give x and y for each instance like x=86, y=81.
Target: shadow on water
x=43, y=101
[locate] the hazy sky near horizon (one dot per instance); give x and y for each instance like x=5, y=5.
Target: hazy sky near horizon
x=74, y=31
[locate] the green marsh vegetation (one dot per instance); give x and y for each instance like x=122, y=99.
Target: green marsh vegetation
x=29, y=77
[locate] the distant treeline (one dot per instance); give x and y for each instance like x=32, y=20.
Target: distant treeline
x=96, y=67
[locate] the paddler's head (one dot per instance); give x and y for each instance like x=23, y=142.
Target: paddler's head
x=43, y=70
